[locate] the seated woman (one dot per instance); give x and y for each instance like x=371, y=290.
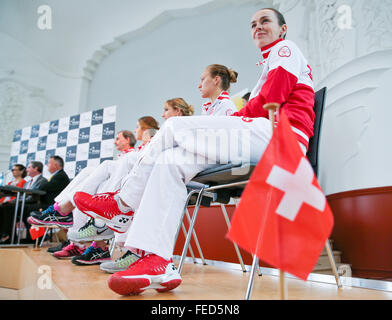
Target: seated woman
x=214, y=84
x=19, y=173
x=170, y=157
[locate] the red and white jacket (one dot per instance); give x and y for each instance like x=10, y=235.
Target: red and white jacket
x=286, y=79
x=222, y=106
x=123, y=152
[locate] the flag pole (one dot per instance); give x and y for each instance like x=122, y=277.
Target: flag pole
x=272, y=108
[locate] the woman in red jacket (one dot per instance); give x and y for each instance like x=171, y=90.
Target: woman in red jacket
x=19, y=173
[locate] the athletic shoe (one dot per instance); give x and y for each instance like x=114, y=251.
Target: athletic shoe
x=69, y=251
x=59, y=247
x=104, y=206
x=119, y=264
x=149, y=272
x=37, y=213
x=90, y=232
x=51, y=219
x=92, y=256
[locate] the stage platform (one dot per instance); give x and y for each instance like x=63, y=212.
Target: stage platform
x=25, y=274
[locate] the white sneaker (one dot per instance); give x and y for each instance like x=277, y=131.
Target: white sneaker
x=119, y=264
x=90, y=232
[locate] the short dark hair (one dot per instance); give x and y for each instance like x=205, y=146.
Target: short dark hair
x=129, y=136
x=38, y=165
x=59, y=160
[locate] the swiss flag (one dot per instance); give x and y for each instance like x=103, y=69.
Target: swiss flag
x=36, y=232
x=283, y=216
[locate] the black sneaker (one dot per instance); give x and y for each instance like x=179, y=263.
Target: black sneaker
x=92, y=256
x=59, y=247
x=37, y=213
x=51, y=217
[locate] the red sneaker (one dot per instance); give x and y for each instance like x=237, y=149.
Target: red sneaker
x=103, y=206
x=149, y=272
x=69, y=251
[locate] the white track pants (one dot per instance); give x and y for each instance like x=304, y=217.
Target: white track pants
x=156, y=186
x=104, y=178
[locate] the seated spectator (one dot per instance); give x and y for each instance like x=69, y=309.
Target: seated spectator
x=7, y=204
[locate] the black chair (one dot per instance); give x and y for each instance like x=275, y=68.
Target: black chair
x=222, y=183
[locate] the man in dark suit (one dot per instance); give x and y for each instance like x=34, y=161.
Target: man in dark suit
x=57, y=182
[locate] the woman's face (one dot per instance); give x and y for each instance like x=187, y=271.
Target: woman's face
x=121, y=142
x=265, y=28
x=16, y=172
x=138, y=131
x=169, y=111
x=208, y=85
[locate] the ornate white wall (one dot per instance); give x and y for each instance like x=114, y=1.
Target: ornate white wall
x=100, y=51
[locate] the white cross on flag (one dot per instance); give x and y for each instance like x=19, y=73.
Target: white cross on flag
x=283, y=216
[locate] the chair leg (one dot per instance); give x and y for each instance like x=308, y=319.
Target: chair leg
x=183, y=213
x=333, y=263
x=43, y=238
x=190, y=246
x=189, y=235
x=196, y=239
x=251, y=278
x=237, y=250
x=112, y=246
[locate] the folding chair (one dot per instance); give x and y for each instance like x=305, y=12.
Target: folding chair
x=221, y=183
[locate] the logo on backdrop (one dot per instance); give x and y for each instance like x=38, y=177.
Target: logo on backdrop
x=108, y=131
x=62, y=139
x=54, y=126
x=17, y=135
x=30, y=157
x=24, y=145
x=74, y=122
x=84, y=135
x=80, y=165
x=34, y=131
x=97, y=117
x=49, y=154
x=42, y=143
x=70, y=154
x=94, y=150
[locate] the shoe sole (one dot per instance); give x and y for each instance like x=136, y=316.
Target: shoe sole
x=63, y=258
x=107, y=270
x=34, y=221
x=137, y=284
x=89, y=263
x=112, y=225
x=94, y=238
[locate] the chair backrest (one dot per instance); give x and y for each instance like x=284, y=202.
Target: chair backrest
x=319, y=103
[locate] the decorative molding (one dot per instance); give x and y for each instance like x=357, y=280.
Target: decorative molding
x=376, y=29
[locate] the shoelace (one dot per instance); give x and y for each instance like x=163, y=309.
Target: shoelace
x=90, y=222
x=88, y=250
x=101, y=195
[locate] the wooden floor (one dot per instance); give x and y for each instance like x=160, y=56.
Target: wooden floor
x=199, y=282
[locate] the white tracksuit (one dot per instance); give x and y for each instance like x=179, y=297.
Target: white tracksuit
x=104, y=178
x=155, y=188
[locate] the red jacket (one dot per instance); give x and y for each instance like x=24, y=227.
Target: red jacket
x=286, y=79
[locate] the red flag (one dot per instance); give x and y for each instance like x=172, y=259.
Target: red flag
x=283, y=216
x=36, y=232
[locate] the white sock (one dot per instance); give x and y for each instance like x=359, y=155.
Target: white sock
x=122, y=207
